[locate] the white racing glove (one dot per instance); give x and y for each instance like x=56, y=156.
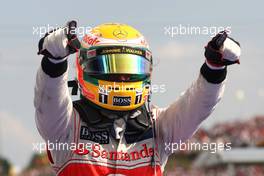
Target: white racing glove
x=59, y=43
x=55, y=46
x=222, y=51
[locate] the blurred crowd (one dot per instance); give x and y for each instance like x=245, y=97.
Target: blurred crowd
x=38, y=166
x=249, y=133
x=220, y=171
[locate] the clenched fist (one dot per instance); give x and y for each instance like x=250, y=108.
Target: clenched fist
x=59, y=43
x=222, y=51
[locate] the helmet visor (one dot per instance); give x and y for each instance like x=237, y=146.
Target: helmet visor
x=117, y=64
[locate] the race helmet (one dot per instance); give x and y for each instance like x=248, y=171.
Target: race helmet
x=114, y=66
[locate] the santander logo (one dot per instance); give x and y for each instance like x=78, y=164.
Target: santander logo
x=96, y=151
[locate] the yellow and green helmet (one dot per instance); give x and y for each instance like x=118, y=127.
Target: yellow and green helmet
x=114, y=66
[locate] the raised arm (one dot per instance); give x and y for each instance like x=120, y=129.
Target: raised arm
x=52, y=101
x=181, y=119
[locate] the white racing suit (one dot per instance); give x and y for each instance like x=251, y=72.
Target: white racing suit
x=99, y=153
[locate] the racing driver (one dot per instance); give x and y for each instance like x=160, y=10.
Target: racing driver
x=116, y=129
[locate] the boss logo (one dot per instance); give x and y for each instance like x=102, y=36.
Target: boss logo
x=101, y=137
x=121, y=101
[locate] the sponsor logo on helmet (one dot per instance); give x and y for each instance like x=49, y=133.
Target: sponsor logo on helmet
x=110, y=51
x=91, y=53
x=123, y=49
x=121, y=101
x=120, y=33
x=90, y=40
x=133, y=51
x=148, y=55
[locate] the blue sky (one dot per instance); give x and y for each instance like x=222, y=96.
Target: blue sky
x=178, y=59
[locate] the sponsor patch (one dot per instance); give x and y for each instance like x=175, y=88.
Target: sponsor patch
x=91, y=53
x=101, y=137
x=121, y=50
x=121, y=101
x=90, y=40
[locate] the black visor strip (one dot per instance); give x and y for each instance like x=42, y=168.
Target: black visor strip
x=121, y=50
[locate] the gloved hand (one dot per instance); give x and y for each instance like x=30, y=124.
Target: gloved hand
x=222, y=51
x=59, y=43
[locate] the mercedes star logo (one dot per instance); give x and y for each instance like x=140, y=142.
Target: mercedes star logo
x=120, y=33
